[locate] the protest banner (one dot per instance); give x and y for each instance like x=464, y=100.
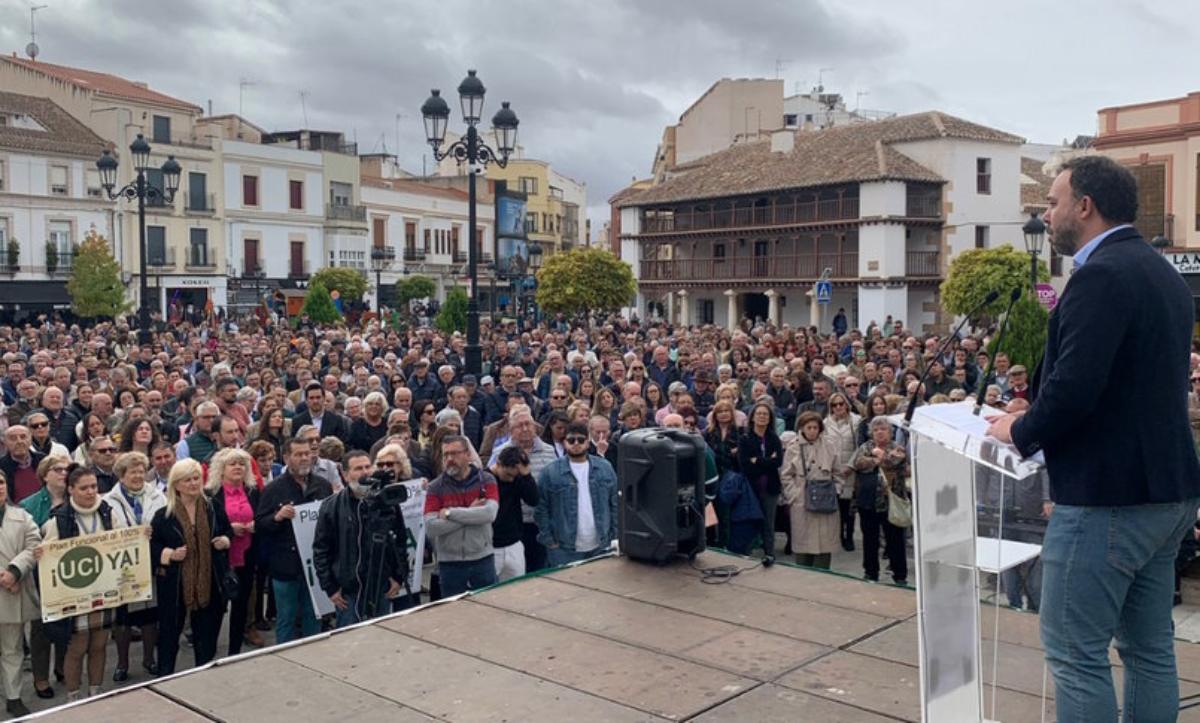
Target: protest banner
x=95, y=572
x=304, y=526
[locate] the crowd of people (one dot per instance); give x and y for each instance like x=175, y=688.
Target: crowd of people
x=210, y=435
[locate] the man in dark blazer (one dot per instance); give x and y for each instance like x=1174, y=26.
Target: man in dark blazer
x=1124, y=475
x=329, y=422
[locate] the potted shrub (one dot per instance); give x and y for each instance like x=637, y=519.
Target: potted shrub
x=51, y=257
x=14, y=255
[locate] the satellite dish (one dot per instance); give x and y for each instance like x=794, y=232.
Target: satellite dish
x=32, y=51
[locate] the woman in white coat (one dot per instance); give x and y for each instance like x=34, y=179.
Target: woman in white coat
x=810, y=457
x=19, y=536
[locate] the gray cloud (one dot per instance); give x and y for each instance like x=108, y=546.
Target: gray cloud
x=594, y=83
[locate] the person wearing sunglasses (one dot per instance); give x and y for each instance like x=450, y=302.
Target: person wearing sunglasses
x=576, y=514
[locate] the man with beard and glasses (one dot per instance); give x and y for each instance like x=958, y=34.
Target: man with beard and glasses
x=460, y=506
x=1124, y=475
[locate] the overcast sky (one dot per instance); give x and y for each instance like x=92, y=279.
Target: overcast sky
x=595, y=82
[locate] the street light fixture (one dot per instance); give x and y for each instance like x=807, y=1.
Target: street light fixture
x=381, y=260
x=1161, y=243
x=1035, y=236
x=470, y=149
x=140, y=189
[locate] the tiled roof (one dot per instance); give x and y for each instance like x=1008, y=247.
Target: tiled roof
x=63, y=135
x=842, y=154
x=409, y=186
x=103, y=83
x=1035, y=185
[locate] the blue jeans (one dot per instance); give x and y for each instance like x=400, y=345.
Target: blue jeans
x=459, y=577
x=356, y=612
x=557, y=556
x=292, y=601
x=1109, y=573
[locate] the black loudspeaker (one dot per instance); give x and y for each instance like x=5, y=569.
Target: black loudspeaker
x=662, y=494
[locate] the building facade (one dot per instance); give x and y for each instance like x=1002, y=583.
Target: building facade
x=879, y=209
x=50, y=198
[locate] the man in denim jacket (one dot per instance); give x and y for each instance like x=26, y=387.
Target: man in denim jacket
x=577, y=502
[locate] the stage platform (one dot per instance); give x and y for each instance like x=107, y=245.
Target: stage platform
x=609, y=640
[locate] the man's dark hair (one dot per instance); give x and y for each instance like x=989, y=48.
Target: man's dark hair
x=577, y=428
x=222, y=420
x=455, y=439
x=296, y=442
x=1111, y=186
x=311, y=386
x=512, y=457
x=224, y=382
x=162, y=445
x=351, y=456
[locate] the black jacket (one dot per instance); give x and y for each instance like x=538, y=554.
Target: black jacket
x=364, y=436
x=725, y=449
x=341, y=544
x=755, y=464
x=507, y=528
x=1112, y=437
x=284, y=560
x=332, y=424
x=62, y=427
x=168, y=532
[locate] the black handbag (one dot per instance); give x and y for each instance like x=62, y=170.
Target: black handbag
x=820, y=495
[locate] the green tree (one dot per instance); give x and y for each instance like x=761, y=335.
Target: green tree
x=976, y=272
x=318, y=305
x=95, y=285
x=415, y=287
x=585, y=280
x=51, y=257
x=350, y=283
x=453, y=316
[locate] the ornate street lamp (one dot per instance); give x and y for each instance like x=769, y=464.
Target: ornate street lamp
x=471, y=150
x=381, y=260
x=140, y=189
x=1035, y=236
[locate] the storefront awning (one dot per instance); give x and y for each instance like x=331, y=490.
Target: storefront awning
x=34, y=295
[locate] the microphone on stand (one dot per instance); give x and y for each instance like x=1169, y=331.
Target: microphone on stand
x=991, y=367
x=912, y=402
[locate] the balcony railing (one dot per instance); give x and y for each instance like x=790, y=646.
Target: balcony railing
x=460, y=257
x=414, y=254
x=299, y=271
x=922, y=263
x=754, y=216
x=200, y=203
x=338, y=212
x=200, y=262
x=923, y=206
x=486, y=257
x=788, y=266
x=164, y=260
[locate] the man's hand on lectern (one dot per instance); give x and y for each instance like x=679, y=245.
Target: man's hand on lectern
x=1001, y=427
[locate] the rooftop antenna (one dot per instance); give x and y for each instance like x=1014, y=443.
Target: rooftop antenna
x=32, y=49
x=398, y=117
x=780, y=66
x=820, y=75
x=858, y=99
x=304, y=106
x=243, y=83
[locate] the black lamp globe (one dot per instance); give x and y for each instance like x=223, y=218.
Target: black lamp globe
x=107, y=165
x=141, y=152
x=436, y=113
x=470, y=93
x=504, y=124
x=1035, y=234
x=171, y=171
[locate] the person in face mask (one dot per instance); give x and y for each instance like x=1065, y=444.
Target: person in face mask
x=342, y=542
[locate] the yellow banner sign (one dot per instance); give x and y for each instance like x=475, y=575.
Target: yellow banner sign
x=94, y=572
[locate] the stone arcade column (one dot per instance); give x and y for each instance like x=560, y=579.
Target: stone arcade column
x=732, y=310
x=772, y=306
x=683, y=308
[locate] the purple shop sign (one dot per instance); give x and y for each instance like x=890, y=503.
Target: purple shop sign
x=1047, y=296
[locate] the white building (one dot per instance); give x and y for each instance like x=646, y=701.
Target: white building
x=50, y=196
x=878, y=208
x=424, y=225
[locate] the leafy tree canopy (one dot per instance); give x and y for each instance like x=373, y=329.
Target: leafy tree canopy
x=95, y=285
x=318, y=305
x=415, y=287
x=976, y=272
x=585, y=280
x=350, y=283
x=453, y=316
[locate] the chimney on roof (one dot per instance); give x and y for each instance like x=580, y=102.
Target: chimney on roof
x=783, y=141
x=141, y=84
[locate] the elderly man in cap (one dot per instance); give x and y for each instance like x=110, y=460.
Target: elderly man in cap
x=423, y=385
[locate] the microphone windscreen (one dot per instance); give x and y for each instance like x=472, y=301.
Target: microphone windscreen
x=992, y=296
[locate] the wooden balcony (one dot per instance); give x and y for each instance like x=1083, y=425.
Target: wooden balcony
x=784, y=267
x=781, y=214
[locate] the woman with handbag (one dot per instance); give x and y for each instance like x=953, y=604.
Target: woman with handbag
x=86, y=634
x=19, y=537
x=811, y=493
x=881, y=466
x=189, y=540
x=231, y=487
x=136, y=502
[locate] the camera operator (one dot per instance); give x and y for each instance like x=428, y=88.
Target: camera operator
x=517, y=485
x=342, y=544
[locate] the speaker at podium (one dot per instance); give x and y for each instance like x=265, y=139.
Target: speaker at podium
x=661, y=477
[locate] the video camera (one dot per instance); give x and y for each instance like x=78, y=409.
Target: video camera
x=383, y=489
x=386, y=534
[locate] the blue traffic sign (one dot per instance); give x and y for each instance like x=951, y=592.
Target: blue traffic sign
x=824, y=291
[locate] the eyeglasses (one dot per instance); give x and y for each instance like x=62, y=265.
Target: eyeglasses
x=427, y=411
x=575, y=439
x=385, y=464
x=105, y=450
x=38, y=425
x=835, y=405
x=558, y=396
x=59, y=468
